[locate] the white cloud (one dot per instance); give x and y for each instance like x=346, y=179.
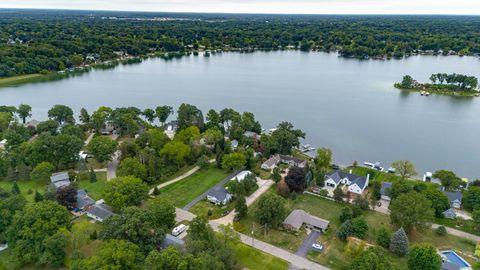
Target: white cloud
x=264, y=6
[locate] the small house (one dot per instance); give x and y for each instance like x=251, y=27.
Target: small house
x=83, y=200
x=60, y=179
x=455, y=198
x=171, y=128
x=242, y=175
x=385, y=191
x=251, y=134
x=273, y=161
x=219, y=196
x=299, y=218
x=99, y=211
x=32, y=124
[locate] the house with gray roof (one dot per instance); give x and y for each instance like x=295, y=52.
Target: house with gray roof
x=385, y=191
x=450, y=213
x=172, y=241
x=60, y=179
x=99, y=211
x=251, y=134
x=219, y=196
x=299, y=218
x=273, y=161
x=455, y=198
x=83, y=200
x=356, y=183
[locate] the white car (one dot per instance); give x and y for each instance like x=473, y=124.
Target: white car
x=317, y=246
x=179, y=229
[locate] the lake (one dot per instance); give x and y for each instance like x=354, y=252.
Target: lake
x=347, y=105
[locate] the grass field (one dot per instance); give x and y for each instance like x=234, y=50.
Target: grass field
x=11, y=81
x=255, y=259
x=334, y=255
x=27, y=188
x=94, y=190
x=184, y=191
x=201, y=209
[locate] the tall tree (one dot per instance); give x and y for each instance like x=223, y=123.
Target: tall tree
x=163, y=112
x=149, y=114
x=66, y=196
x=125, y=191
x=114, y=254
x=404, y=168
x=399, y=243
x=449, y=179
x=270, y=210
x=24, y=111
x=102, y=148
x=132, y=167
x=295, y=179
x=233, y=161
x=411, y=211
x=61, y=114
x=373, y=258
x=423, y=257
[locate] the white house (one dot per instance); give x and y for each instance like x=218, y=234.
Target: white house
x=99, y=211
x=241, y=176
x=219, y=196
x=356, y=184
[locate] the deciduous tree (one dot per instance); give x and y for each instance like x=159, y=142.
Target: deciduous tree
x=411, y=211
x=404, y=168
x=102, y=148
x=270, y=210
x=423, y=257
x=125, y=191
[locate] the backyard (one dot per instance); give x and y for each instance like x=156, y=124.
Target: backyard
x=184, y=191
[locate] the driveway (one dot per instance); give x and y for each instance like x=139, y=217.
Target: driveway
x=204, y=195
x=112, y=165
x=307, y=244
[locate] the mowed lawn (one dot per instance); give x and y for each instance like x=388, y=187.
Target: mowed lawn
x=96, y=189
x=27, y=188
x=255, y=259
x=14, y=80
x=184, y=191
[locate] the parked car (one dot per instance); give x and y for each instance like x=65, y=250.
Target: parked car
x=317, y=246
x=178, y=230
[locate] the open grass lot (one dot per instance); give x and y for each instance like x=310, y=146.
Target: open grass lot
x=334, y=255
x=255, y=259
x=27, y=188
x=184, y=191
x=95, y=190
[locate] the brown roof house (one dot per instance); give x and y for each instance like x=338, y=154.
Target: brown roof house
x=299, y=218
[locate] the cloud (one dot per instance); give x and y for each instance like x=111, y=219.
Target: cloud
x=264, y=6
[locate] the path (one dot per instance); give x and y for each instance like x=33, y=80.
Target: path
x=307, y=243
x=112, y=166
x=181, y=177
x=89, y=138
x=295, y=260
x=458, y=233
x=264, y=185
x=204, y=195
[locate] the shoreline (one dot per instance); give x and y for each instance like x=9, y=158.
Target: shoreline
x=446, y=92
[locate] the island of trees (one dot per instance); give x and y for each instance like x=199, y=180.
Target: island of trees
x=443, y=83
x=33, y=42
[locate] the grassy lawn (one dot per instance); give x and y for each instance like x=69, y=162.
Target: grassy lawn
x=459, y=224
x=334, y=255
x=27, y=188
x=201, y=209
x=95, y=190
x=184, y=191
x=14, y=80
x=255, y=259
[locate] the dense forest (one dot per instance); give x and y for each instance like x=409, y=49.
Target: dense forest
x=43, y=41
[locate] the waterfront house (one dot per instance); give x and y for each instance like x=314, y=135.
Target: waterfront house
x=251, y=134
x=99, y=211
x=32, y=124
x=219, y=196
x=450, y=213
x=273, y=161
x=385, y=191
x=355, y=183
x=455, y=198
x=60, y=179
x=171, y=128
x=299, y=218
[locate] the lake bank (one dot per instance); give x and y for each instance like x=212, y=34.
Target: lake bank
x=444, y=92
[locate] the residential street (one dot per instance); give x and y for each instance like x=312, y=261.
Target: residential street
x=307, y=244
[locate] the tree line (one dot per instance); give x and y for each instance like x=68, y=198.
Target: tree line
x=42, y=41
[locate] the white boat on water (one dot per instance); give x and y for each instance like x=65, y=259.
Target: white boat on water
x=306, y=146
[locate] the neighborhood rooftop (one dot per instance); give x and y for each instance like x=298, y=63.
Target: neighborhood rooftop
x=83, y=199
x=337, y=176
x=299, y=217
x=60, y=179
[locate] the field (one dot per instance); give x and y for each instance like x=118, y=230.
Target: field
x=95, y=190
x=184, y=191
x=255, y=259
x=15, y=80
x=27, y=188
x=334, y=255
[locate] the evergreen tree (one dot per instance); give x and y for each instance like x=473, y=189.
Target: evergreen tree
x=399, y=243
x=156, y=192
x=15, y=188
x=93, y=176
x=276, y=175
x=345, y=230
x=383, y=238
x=38, y=197
x=347, y=214
x=338, y=194
x=241, y=208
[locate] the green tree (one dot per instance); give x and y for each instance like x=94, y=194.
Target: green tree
x=84, y=117
x=323, y=160
x=441, y=230
x=175, y=152
x=125, y=191
x=295, y=179
x=132, y=167
x=399, y=243
x=24, y=111
x=373, y=258
x=359, y=227
x=38, y=197
x=149, y=114
x=93, y=176
x=9, y=205
x=213, y=119
x=407, y=82
x=115, y=254
x=241, y=208
x=423, y=257
x=346, y=214
x=34, y=234
x=338, y=194
x=163, y=112
x=42, y=172
x=15, y=189
x=471, y=198
x=411, y=211
x=102, y=148
x=188, y=135
x=233, y=161
x=276, y=175
x=61, y=114
x=189, y=115
x=383, y=237
x=66, y=196
x=270, y=210
x=163, y=212
x=448, y=179
x=404, y=168
x=283, y=139
x=345, y=230
x=439, y=200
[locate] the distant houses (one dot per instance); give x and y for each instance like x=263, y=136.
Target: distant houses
x=355, y=183
x=274, y=160
x=219, y=196
x=299, y=218
x=171, y=129
x=60, y=179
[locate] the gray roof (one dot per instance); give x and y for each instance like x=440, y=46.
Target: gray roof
x=102, y=210
x=272, y=161
x=298, y=217
x=220, y=193
x=171, y=240
x=385, y=187
x=450, y=266
x=60, y=179
x=234, y=143
x=83, y=199
x=361, y=181
x=297, y=161
x=449, y=213
x=250, y=134
x=453, y=195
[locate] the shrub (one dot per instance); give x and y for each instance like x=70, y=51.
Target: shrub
x=359, y=227
x=441, y=230
x=345, y=230
x=346, y=214
x=383, y=238
x=399, y=243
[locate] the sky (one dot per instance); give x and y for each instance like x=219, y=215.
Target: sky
x=464, y=7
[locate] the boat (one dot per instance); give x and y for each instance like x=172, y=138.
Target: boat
x=306, y=146
x=427, y=94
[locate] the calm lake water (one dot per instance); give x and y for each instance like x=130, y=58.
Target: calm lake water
x=347, y=105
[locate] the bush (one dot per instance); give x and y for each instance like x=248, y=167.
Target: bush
x=423, y=257
x=357, y=211
x=345, y=230
x=346, y=214
x=361, y=202
x=323, y=192
x=359, y=227
x=383, y=238
x=441, y=230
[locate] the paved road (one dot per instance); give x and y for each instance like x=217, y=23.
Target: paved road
x=307, y=243
x=112, y=166
x=204, y=195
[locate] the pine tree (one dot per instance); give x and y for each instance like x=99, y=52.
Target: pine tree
x=93, y=176
x=399, y=243
x=156, y=192
x=241, y=208
x=276, y=175
x=38, y=197
x=338, y=194
x=15, y=188
x=346, y=229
